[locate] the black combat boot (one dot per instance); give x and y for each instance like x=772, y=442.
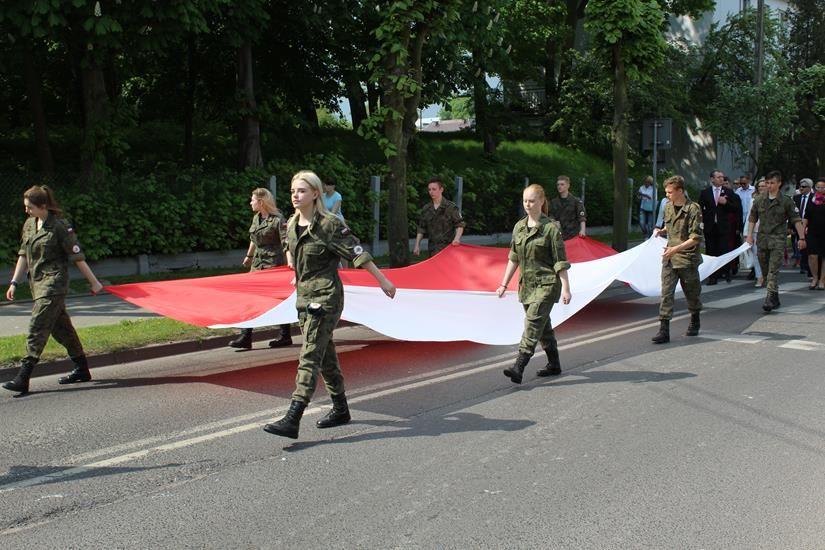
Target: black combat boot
x=21, y=381
x=515, y=372
x=767, y=305
x=285, y=339
x=774, y=296
x=338, y=415
x=243, y=340
x=289, y=424
x=693, y=327
x=79, y=374
x=663, y=336
x=553, y=366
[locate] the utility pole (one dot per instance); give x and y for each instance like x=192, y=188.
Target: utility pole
x=760, y=62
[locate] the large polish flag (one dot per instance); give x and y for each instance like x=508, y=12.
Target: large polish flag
x=449, y=297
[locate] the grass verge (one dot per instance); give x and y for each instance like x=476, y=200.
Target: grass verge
x=111, y=338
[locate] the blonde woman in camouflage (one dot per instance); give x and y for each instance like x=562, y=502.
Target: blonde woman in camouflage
x=537, y=249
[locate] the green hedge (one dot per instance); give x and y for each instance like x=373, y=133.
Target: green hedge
x=171, y=211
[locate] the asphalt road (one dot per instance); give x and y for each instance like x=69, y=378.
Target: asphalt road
x=708, y=442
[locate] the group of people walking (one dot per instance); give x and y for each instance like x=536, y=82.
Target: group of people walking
x=316, y=239
x=769, y=216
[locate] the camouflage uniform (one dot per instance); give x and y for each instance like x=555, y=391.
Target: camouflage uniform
x=269, y=237
x=48, y=252
x=773, y=217
x=569, y=213
x=439, y=225
x=683, y=266
x=316, y=253
x=539, y=252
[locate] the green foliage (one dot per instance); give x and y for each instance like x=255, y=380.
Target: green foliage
x=173, y=211
x=328, y=119
x=457, y=107
x=812, y=90
x=736, y=110
x=634, y=25
x=154, y=214
x=492, y=187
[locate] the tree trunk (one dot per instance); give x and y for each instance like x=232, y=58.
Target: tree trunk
x=357, y=99
x=484, y=127
x=550, y=88
x=397, y=215
x=189, y=104
x=618, y=137
x=575, y=11
x=372, y=97
x=31, y=77
x=249, y=129
x=309, y=112
x=95, y=115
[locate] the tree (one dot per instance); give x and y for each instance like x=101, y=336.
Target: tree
x=629, y=37
x=737, y=110
x=457, y=107
x=806, y=58
x=628, y=33
x=405, y=27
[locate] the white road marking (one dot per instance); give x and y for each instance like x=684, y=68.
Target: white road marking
x=729, y=337
x=805, y=308
x=803, y=345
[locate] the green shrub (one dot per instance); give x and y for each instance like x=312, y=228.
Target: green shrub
x=168, y=210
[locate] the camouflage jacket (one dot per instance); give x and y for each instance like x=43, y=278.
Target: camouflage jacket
x=315, y=255
x=682, y=226
x=540, y=254
x=439, y=224
x=569, y=213
x=48, y=252
x=773, y=216
x=269, y=237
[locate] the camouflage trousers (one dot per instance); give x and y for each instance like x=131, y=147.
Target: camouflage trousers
x=49, y=317
x=692, y=287
x=317, y=354
x=770, y=253
x=537, y=327
x=434, y=248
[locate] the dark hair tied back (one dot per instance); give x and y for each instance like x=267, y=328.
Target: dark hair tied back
x=42, y=197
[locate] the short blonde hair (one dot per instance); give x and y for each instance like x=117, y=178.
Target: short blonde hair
x=677, y=182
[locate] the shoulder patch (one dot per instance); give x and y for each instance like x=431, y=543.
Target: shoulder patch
x=701, y=225
x=345, y=231
x=358, y=250
x=76, y=249
x=795, y=209
x=70, y=229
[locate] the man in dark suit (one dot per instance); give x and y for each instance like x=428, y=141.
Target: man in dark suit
x=801, y=201
x=719, y=208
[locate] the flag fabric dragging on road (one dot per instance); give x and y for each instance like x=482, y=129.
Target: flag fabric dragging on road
x=448, y=297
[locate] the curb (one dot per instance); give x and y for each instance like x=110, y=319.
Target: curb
x=138, y=354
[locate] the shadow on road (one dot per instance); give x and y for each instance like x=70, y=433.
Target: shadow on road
x=423, y=425
x=58, y=474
